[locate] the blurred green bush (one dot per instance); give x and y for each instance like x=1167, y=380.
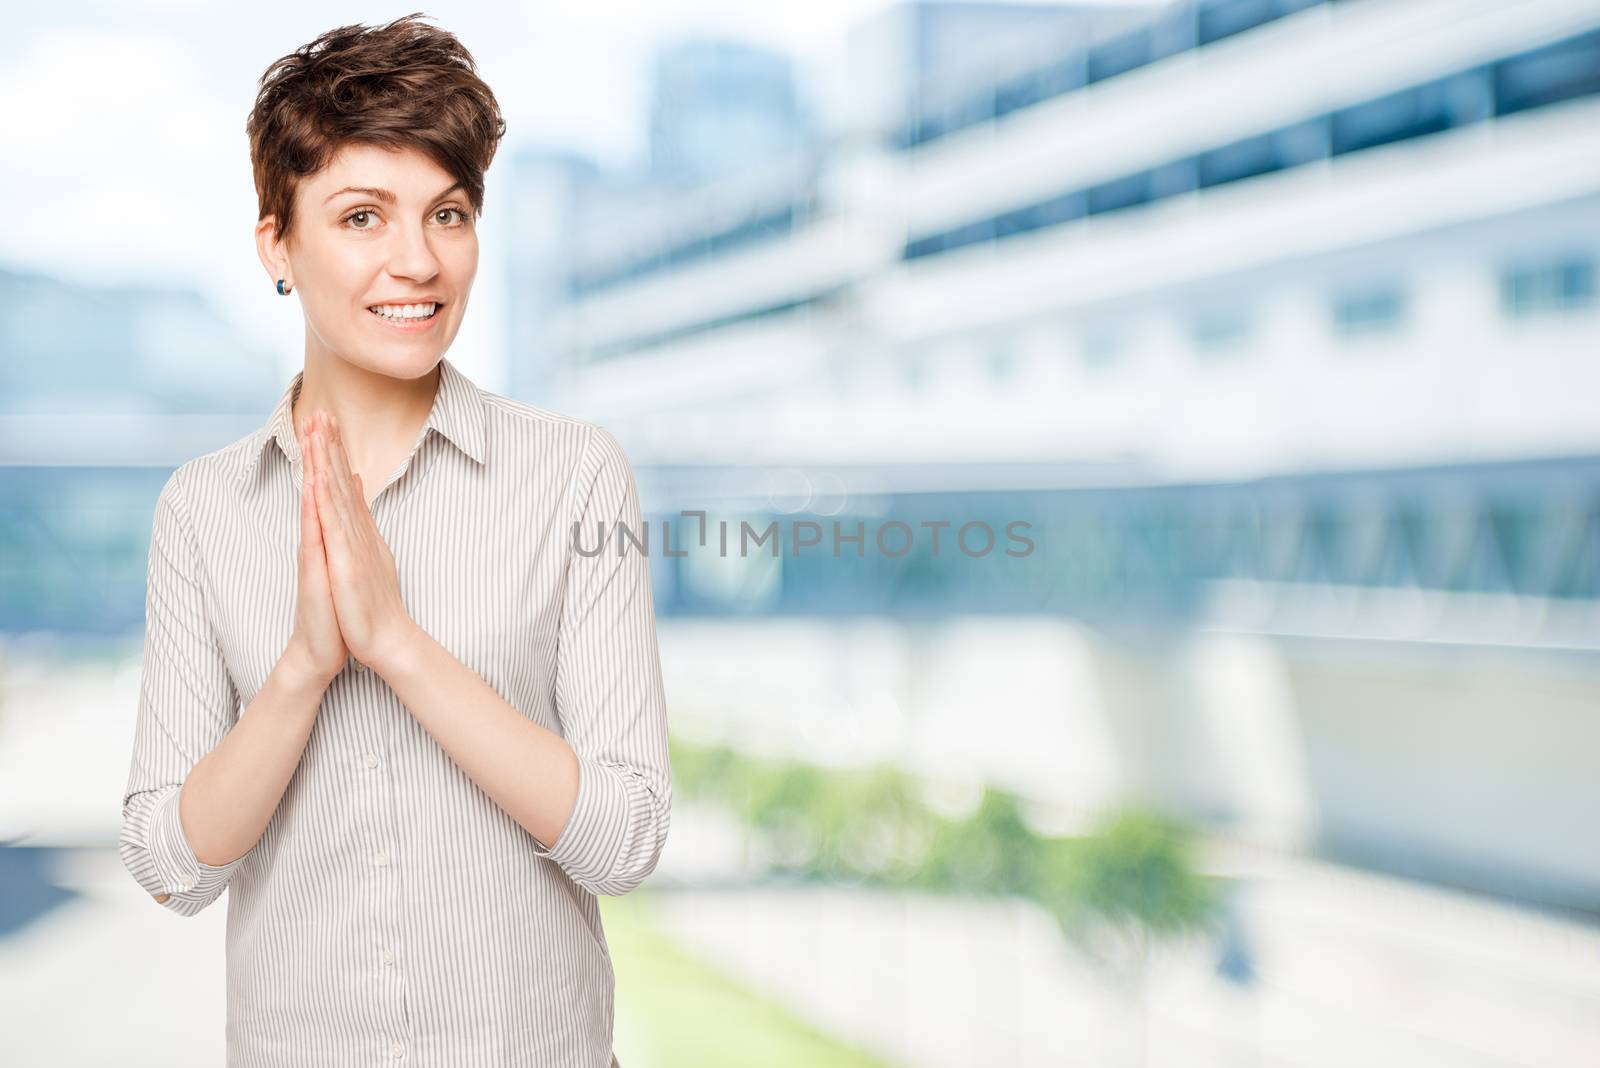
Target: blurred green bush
x=1128, y=880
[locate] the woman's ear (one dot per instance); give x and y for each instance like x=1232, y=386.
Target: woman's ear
x=271, y=251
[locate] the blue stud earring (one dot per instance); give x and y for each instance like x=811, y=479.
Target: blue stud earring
x=283, y=290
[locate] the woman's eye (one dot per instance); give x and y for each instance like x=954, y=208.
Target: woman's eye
x=361, y=220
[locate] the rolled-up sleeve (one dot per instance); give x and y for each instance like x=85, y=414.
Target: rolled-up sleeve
x=608, y=688
x=187, y=703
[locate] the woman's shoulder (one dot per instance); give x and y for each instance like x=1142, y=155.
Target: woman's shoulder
x=189, y=492
x=215, y=469
x=556, y=434
x=528, y=415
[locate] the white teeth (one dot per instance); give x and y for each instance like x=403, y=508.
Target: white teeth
x=403, y=311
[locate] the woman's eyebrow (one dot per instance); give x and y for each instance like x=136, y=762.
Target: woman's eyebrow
x=383, y=194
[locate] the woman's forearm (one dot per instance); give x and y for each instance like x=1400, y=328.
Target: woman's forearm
x=528, y=770
x=233, y=791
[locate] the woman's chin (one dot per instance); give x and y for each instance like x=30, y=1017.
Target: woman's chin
x=407, y=361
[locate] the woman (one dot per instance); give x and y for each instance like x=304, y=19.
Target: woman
x=385, y=702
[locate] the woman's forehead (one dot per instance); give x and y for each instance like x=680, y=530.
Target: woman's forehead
x=405, y=172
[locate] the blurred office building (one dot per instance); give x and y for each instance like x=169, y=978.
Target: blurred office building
x=1277, y=319
x=103, y=391
x=719, y=106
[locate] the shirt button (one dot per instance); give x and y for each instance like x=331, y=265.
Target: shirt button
x=388, y=958
x=372, y=760
x=185, y=885
x=380, y=858
x=360, y=667
x=397, y=1050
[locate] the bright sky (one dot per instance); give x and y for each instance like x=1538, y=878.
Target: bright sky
x=124, y=139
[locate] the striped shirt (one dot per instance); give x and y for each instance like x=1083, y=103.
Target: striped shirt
x=391, y=913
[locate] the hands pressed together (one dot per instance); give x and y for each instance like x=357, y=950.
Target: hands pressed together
x=349, y=601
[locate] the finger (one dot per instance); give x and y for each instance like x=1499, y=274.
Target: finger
x=310, y=523
x=341, y=465
x=308, y=450
x=308, y=504
x=338, y=476
x=313, y=525
x=358, y=510
x=330, y=487
x=307, y=512
x=328, y=512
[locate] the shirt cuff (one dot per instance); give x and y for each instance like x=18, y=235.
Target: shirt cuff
x=592, y=840
x=182, y=873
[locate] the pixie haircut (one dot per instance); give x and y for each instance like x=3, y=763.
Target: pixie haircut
x=401, y=85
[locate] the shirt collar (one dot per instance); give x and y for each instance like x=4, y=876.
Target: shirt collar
x=457, y=415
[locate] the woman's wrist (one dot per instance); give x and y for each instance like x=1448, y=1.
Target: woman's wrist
x=400, y=649
x=298, y=669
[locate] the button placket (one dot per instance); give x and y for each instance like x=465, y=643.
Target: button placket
x=383, y=861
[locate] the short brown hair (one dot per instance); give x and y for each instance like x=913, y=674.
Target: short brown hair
x=401, y=85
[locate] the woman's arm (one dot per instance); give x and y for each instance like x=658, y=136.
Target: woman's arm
x=230, y=795
x=204, y=783
x=526, y=769
x=600, y=792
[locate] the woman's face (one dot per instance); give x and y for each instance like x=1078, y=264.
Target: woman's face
x=380, y=228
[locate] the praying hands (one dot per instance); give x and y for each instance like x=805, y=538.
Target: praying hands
x=362, y=577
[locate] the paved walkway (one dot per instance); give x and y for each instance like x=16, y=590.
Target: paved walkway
x=1349, y=969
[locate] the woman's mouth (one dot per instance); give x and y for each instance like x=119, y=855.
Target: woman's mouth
x=409, y=318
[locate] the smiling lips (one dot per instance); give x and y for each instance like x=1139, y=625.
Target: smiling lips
x=406, y=317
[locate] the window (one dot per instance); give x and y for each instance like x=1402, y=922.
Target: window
x=1120, y=54
x=1062, y=209
x=1373, y=310
x=1173, y=33
x=1020, y=93
x=1220, y=332
x=924, y=246
x=1397, y=117
x=1558, y=72
x=1224, y=18
x=1548, y=75
x=1242, y=159
x=1173, y=179
x=1288, y=147
x=1045, y=213
x=1062, y=76
x=1120, y=193
x=1555, y=286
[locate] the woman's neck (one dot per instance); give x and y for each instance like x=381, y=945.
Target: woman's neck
x=379, y=415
